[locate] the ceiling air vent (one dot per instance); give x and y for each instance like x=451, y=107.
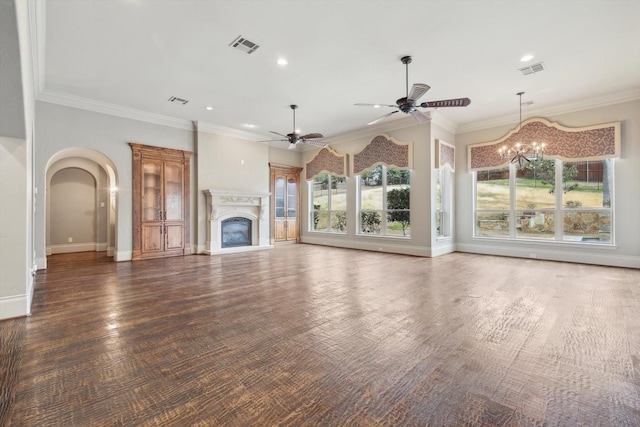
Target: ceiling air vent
x=176, y=99
x=531, y=69
x=244, y=45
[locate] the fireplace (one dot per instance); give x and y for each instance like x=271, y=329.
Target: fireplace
x=235, y=232
x=236, y=221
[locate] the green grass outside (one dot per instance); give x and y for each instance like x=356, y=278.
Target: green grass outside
x=532, y=194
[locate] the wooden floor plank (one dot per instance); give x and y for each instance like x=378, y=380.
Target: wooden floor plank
x=309, y=335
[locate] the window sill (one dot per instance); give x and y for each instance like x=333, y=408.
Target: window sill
x=559, y=243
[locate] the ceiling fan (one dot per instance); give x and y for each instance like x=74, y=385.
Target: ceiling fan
x=295, y=138
x=408, y=104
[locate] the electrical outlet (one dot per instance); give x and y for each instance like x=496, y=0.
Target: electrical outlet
x=70, y=239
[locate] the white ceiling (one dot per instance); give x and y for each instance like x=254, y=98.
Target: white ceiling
x=131, y=56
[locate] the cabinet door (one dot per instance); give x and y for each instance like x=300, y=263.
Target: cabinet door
x=173, y=183
x=152, y=237
x=151, y=191
x=174, y=233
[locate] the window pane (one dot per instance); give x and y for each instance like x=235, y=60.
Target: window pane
x=321, y=192
x=535, y=224
x=371, y=189
x=339, y=221
x=397, y=177
x=586, y=184
x=398, y=223
x=492, y=189
x=492, y=224
x=587, y=226
x=535, y=185
x=338, y=193
x=371, y=222
x=320, y=220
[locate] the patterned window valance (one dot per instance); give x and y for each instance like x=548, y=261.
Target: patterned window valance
x=326, y=160
x=575, y=144
x=383, y=150
x=445, y=155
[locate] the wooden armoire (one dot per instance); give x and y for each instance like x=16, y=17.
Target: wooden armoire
x=161, y=198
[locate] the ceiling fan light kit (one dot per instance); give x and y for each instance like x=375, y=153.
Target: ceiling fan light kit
x=408, y=105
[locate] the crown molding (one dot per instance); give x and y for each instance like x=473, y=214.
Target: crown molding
x=224, y=131
x=572, y=107
x=112, y=109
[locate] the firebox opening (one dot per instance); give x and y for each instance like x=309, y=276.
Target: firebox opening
x=236, y=232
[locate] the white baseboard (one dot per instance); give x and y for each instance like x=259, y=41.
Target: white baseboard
x=370, y=244
x=123, y=256
x=71, y=247
x=443, y=248
x=14, y=306
x=101, y=247
x=238, y=249
x=598, y=256
x=41, y=263
x=111, y=251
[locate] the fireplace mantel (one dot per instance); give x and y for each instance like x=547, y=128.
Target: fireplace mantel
x=222, y=204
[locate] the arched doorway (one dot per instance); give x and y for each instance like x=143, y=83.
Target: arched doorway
x=81, y=203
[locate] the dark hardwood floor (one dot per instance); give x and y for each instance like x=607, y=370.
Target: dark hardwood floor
x=307, y=335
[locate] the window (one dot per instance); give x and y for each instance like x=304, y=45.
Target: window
x=524, y=204
x=328, y=196
x=444, y=197
x=384, y=202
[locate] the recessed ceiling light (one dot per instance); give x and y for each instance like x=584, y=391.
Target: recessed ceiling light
x=249, y=125
x=377, y=106
x=282, y=62
x=526, y=58
x=208, y=108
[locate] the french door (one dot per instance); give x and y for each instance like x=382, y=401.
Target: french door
x=285, y=195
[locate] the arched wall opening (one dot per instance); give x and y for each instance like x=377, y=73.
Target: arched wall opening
x=87, y=219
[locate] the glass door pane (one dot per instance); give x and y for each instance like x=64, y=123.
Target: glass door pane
x=151, y=191
x=279, y=197
x=292, y=193
x=173, y=191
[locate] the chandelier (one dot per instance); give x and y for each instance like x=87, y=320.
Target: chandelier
x=522, y=153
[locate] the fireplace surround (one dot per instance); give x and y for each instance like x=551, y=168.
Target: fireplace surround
x=224, y=205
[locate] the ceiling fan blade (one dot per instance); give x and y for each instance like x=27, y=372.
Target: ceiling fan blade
x=312, y=135
x=382, y=118
x=316, y=143
x=420, y=116
x=279, y=134
x=273, y=140
x=376, y=105
x=458, y=102
x=417, y=90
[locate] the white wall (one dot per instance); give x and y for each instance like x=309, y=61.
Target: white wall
x=625, y=252
x=285, y=157
x=61, y=128
x=421, y=194
x=16, y=147
x=229, y=164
